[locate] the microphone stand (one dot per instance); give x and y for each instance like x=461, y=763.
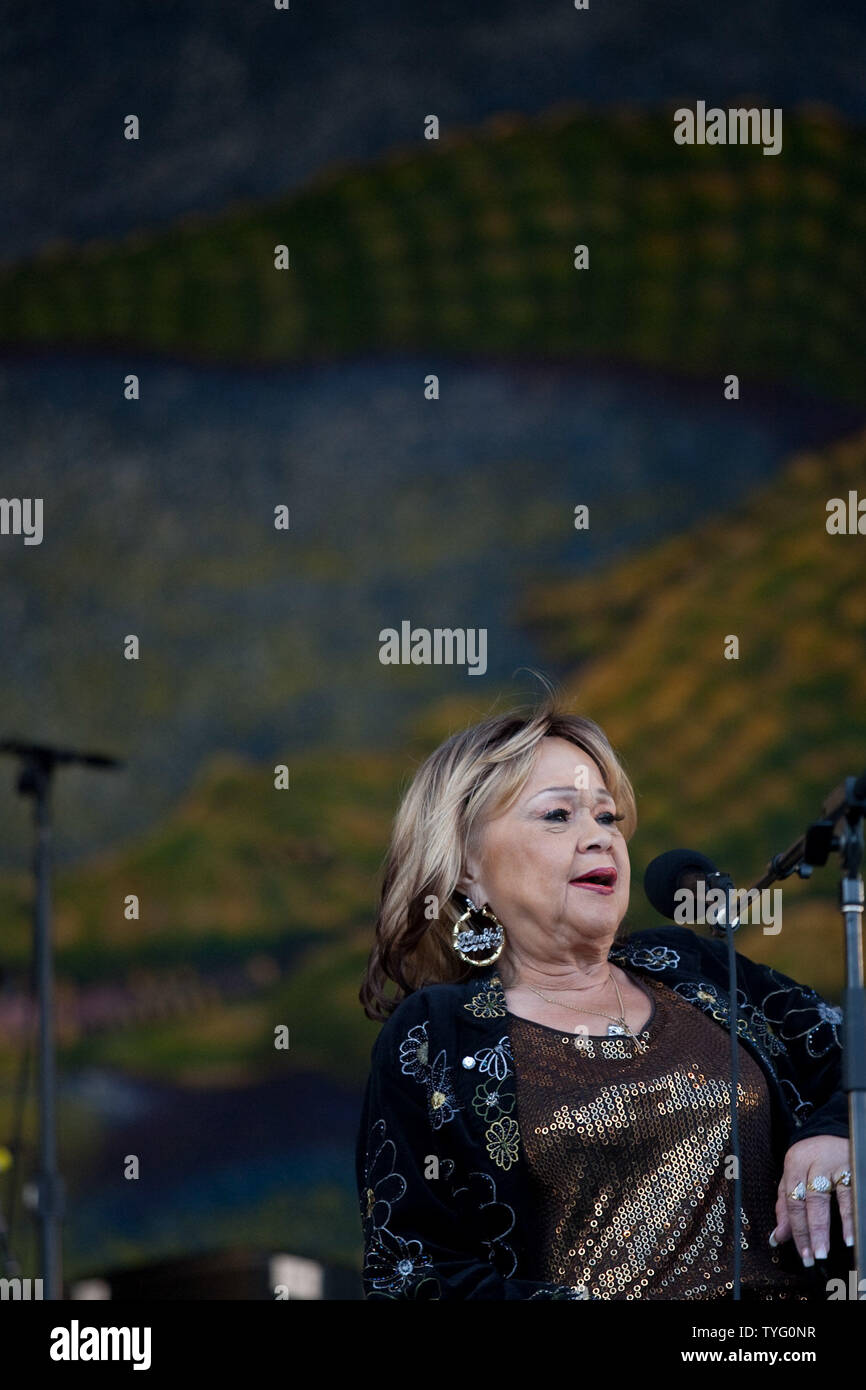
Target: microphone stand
x=34, y=779
x=845, y=807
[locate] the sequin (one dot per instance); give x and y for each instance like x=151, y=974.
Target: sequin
x=626, y=1155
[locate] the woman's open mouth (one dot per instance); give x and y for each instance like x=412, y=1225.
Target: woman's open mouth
x=597, y=880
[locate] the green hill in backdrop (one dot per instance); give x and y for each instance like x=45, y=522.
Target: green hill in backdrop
x=703, y=259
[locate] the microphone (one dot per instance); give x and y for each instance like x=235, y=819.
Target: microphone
x=669, y=873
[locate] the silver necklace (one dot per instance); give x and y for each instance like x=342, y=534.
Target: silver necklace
x=617, y=1026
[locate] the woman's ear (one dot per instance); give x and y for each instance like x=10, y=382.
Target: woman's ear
x=470, y=884
x=471, y=878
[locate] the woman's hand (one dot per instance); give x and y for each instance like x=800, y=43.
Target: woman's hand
x=809, y=1221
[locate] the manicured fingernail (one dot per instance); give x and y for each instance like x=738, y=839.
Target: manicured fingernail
x=849, y=1240
x=820, y=1252
x=807, y=1259
x=773, y=1240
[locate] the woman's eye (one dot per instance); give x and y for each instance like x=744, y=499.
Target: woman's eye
x=562, y=813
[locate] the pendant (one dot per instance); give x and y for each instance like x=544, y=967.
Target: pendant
x=616, y=1030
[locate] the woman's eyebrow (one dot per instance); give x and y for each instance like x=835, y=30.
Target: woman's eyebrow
x=601, y=793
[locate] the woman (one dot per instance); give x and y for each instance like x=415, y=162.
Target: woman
x=548, y=1111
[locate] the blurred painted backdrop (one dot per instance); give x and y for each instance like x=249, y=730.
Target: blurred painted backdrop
x=407, y=257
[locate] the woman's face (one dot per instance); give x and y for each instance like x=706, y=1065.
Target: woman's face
x=560, y=828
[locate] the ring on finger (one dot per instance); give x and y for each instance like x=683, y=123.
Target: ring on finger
x=799, y=1192
x=820, y=1183
x=843, y=1178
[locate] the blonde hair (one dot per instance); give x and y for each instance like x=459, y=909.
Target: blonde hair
x=472, y=776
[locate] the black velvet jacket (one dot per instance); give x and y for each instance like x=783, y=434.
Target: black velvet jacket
x=440, y=1166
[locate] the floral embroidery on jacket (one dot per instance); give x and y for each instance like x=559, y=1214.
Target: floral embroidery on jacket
x=648, y=957
x=491, y=1102
x=770, y=1027
x=503, y=1140
x=494, y=1060
x=815, y=1020
x=414, y=1051
x=478, y=1195
x=760, y=1027
x=708, y=998
x=393, y=1267
x=440, y=1093
x=488, y=1002
x=435, y=1076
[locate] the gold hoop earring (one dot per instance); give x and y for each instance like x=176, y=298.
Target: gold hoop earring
x=479, y=935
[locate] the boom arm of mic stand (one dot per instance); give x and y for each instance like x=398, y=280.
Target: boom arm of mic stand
x=813, y=849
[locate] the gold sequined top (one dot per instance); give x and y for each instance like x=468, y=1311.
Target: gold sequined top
x=626, y=1158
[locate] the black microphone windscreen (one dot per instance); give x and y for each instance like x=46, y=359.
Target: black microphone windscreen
x=663, y=874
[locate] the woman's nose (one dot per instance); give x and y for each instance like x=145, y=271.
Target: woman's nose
x=594, y=837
